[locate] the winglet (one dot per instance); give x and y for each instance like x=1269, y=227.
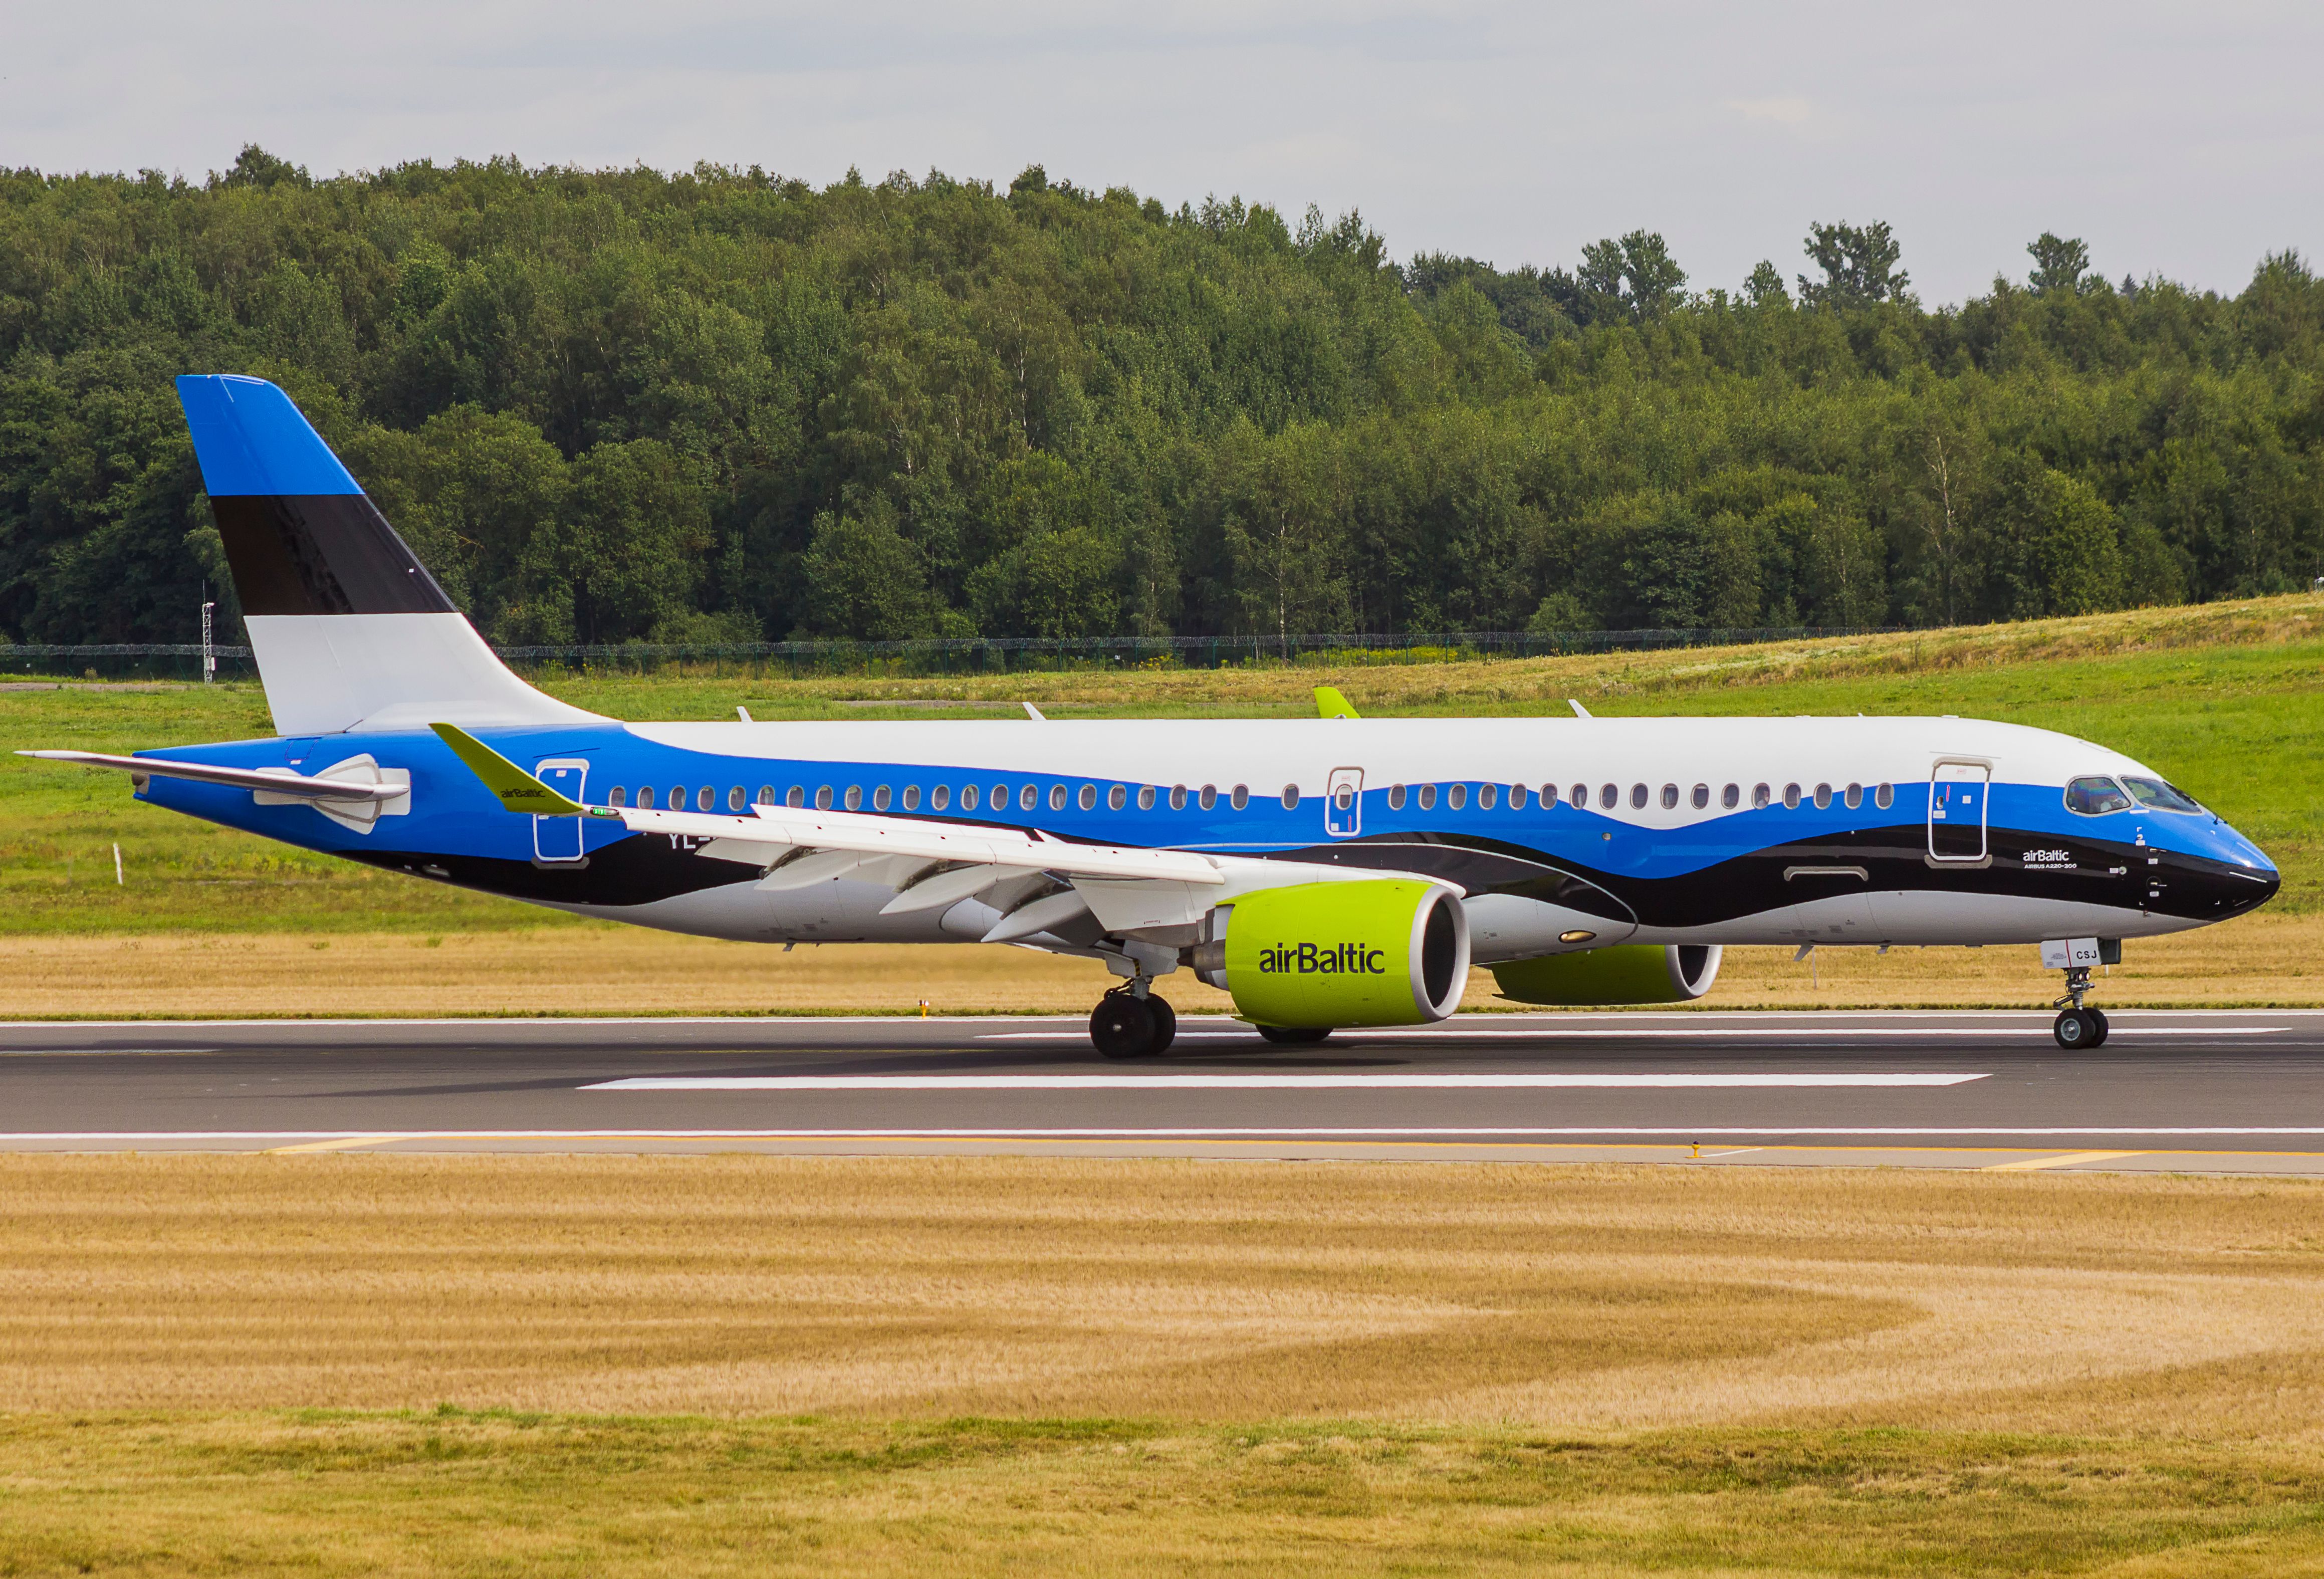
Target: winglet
x=1035, y=713
x=1330, y=704
x=1579, y=710
x=518, y=790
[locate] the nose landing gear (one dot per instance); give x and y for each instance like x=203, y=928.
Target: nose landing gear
x=2079, y=1028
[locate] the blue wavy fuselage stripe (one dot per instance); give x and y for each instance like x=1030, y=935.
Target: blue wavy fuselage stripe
x=1722, y=866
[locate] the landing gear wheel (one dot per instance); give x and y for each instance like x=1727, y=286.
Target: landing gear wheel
x=1166, y=1026
x=2078, y=1029
x=2098, y=1015
x=1122, y=1026
x=1294, y=1036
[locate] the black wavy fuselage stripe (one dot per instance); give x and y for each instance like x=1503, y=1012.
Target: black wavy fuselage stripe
x=647, y=867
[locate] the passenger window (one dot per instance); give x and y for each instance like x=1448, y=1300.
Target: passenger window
x=677, y=797
x=1637, y=797
x=1610, y=796
x=797, y=795
x=1487, y=795
x=1428, y=798
x=645, y=798
x=1146, y=798
x=735, y=801
x=2159, y=795
x=823, y=797
x=1548, y=796
x=1670, y=797
x=1883, y=796
x=940, y=796
x=971, y=797
x=1291, y=797
x=853, y=798
x=1790, y=797
x=617, y=795
x=1088, y=796
x=1396, y=798
x=1854, y=796
x=1517, y=797
x=2095, y=796
x=1456, y=797
x=1732, y=797
x=1057, y=797
x=1177, y=797
x=1028, y=795
x=1701, y=795
x=705, y=799
x=1117, y=797
x=766, y=794
x=1241, y=798
x=1824, y=797
x=880, y=799
x=911, y=798
x=1758, y=797
x=1209, y=797
x=1580, y=799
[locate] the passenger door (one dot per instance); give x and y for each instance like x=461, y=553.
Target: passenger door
x=559, y=838
x=1343, y=803
x=1958, y=791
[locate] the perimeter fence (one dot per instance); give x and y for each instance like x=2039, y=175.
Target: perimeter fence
x=954, y=656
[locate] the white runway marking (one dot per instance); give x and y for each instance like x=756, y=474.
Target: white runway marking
x=1466, y=1033
x=1286, y=1082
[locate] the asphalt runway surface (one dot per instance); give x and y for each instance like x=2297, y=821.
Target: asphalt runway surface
x=2238, y=1092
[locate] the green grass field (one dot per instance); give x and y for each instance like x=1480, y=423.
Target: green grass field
x=2227, y=700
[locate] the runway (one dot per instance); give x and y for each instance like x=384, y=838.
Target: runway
x=2172, y=1091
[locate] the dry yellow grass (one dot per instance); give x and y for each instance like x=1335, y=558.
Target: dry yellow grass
x=1574, y=1299
x=2266, y=959
x=853, y=1366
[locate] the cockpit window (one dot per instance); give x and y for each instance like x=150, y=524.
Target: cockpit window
x=2161, y=797
x=2095, y=796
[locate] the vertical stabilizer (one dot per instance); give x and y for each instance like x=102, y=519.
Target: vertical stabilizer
x=350, y=630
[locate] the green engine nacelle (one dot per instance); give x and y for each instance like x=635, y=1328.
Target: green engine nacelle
x=1624, y=972
x=1322, y=955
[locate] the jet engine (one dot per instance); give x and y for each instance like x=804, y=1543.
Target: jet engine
x=1322, y=955
x=1623, y=972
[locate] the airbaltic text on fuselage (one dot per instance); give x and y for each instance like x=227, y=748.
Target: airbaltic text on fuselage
x=1307, y=960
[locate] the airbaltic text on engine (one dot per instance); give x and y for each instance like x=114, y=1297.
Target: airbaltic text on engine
x=1305, y=959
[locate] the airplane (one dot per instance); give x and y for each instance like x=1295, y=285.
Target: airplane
x=1327, y=873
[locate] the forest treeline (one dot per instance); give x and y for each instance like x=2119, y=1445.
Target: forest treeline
x=622, y=405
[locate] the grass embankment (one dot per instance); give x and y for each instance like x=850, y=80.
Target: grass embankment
x=853, y=1366
x=2227, y=699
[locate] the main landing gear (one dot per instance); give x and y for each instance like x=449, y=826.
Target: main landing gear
x=1128, y=1023
x=2079, y=1028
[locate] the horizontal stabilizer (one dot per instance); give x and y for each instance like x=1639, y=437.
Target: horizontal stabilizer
x=518, y=790
x=271, y=781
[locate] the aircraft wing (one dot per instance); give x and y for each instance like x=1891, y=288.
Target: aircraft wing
x=930, y=864
x=770, y=835
x=765, y=835
x=267, y=781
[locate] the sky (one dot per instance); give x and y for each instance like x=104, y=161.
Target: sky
x=2176, y=139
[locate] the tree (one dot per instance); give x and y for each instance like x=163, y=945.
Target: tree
x=1858, y=264
x=864, y=579
x=1634, y=278
x=2059, y=264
